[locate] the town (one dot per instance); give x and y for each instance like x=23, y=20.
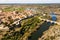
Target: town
x=29, y=22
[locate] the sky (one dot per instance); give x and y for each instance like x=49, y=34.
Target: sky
x=29, y=1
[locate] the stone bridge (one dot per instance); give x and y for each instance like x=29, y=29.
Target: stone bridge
x=50, y=21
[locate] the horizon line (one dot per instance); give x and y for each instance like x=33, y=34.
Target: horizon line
x=26, y=3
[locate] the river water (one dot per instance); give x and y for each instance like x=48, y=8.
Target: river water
x=37, y=34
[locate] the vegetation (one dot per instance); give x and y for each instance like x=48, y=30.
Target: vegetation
x=20, y=9
x=26, y=25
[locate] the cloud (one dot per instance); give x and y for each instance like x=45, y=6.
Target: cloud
x=29, y=1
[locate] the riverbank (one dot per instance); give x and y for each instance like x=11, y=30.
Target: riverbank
x=43, y=27
x=53, y=33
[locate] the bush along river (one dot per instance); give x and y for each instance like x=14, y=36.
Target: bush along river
x=43, y=27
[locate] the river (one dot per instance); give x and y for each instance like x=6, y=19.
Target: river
x=35, y=35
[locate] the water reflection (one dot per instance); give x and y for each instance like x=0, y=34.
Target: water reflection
x=35, y=35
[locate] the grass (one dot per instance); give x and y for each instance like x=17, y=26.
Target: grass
x=26, y=25
x=13, y=9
